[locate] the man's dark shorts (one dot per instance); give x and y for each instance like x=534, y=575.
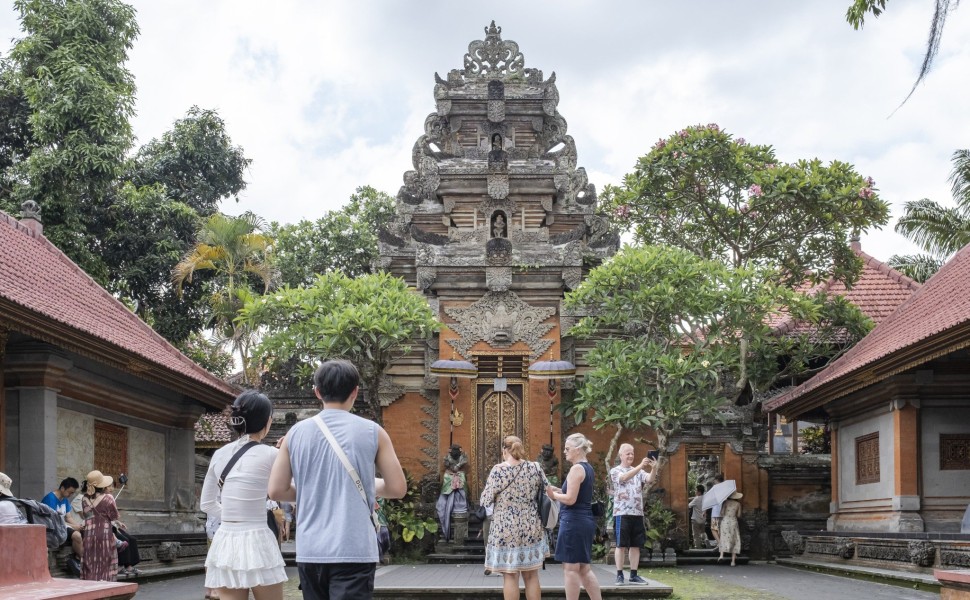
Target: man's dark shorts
x=337, y=581
x=629, y=531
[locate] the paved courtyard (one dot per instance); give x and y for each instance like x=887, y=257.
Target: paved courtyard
x=749, y=582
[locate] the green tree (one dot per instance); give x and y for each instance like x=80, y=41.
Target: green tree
x=668, y=324
x=344, y=240
x=208, y=353
x=937, y=229
x=723, y=199
x=196, y=161
x=370, y=320
x=16, y=140
x=239, y=254
x=70, y=67
x=150, y=222
x=856, y=16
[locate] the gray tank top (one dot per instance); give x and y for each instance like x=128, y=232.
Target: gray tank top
x=333, y=523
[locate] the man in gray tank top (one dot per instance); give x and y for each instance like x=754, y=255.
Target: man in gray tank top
x=336, y=545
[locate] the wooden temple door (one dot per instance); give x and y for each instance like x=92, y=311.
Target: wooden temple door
x=501, y=409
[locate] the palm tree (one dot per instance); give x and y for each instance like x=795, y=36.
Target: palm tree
x=239, y=253
x=939, y=230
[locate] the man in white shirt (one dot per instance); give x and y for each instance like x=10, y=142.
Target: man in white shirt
x=628, y=482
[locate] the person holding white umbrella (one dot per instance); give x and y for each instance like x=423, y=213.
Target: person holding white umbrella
x=713, y=499
x=730, y=540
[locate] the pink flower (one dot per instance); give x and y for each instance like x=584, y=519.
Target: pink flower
x=682, y=133
x=870, y=182
x=770, y=166
x=755, y=191
x=660, y=144
x=865, y=193
x=622, y=211
x=713, y=127
x=742, y=141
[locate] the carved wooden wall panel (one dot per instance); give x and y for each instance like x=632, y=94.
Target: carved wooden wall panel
x=954, y=451
x=867, y=459
x=110, y=449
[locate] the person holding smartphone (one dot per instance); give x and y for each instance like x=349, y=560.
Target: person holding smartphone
x=628, y=482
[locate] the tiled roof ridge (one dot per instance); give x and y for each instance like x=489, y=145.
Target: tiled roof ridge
x=825, y=377
x=890, y=272
x=59, y=255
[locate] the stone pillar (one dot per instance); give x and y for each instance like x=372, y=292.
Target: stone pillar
x=180, y=490
x=834, y=504
x=36, y=468
x=906, y=498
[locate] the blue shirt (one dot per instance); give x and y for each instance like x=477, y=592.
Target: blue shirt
x=62, y=506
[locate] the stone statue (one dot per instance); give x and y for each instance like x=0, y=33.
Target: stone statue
x=453, y=498
x=499, y=229
x=550, y=464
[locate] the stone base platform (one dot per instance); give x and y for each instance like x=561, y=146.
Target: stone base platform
x=69, y=589
x=913, y=580
x=955, y=584
x=468, y=581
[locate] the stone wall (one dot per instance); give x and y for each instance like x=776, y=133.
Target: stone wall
x=864, y=498
x=946, y=492
x=798, y=496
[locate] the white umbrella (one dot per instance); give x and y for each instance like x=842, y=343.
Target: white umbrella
x=718, y=494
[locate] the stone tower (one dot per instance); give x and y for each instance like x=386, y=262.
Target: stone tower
x=494, y=225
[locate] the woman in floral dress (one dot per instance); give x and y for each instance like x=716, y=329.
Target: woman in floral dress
x=730, y=540
x=517, y=544
x=100, y=561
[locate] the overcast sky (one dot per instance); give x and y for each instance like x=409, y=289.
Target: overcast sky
x=327, y=96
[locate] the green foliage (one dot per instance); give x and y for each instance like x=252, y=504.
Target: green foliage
x=16, y=139
x=815, y=440
x=344, y=240
x=723, y=199
x=195, y=161
x=370, y=320
x=208, y=353
x=405, y=520
x=239, y=255
x=660, y=520
x=937, y=229
x=70, y=67
x=856, y=15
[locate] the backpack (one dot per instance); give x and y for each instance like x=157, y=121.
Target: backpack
x=38, y=513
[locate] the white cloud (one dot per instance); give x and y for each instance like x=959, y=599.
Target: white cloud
x=328, y=96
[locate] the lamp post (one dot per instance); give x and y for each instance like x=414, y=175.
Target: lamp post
x=552, y=370
x=455, y=370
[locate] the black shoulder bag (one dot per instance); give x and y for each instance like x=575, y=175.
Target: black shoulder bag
x=270, y=519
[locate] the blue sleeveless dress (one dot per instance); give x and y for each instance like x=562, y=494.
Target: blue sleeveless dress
x=577, y=525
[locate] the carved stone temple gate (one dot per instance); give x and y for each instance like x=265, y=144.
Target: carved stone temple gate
x=494, y=225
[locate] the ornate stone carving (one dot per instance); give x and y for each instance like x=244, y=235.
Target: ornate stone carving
x=388, y=392
x=493, y=57
x=498, y=252
x=488, y=206
x=498, y=279
x=496, y=111
x=952, y=557
x=425, y=277
x=427, y=237
x=867, y=458
x=168, y=551
x=954, y=451
x=573, y=235
x=839, y=547
x=497, y=185
x=796, y=543
x=501, y=319
x=30, y=210
x=883, y=552
x=550, y=96
x=553, y=130
x=922, y=554
x=466, y=236
x=572, y=277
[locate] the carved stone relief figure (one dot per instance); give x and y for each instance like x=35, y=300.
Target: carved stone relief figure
x=499, y=226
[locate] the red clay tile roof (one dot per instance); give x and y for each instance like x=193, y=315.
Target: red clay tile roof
x=42, y=292
x=212, y=429
x=879, y=290
x=933, y=322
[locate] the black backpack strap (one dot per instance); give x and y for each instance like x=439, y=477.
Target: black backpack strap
x=232, y=461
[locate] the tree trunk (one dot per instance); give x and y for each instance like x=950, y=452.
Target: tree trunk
x=609, y=453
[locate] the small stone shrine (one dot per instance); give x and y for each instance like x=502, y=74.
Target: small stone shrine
x=495, y=223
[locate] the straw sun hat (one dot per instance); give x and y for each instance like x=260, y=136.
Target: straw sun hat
x=97, y=479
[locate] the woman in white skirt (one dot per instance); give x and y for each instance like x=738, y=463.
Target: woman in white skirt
x=244, y=554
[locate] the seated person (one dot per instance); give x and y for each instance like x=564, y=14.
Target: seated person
x=60, y=500
x=9, y=513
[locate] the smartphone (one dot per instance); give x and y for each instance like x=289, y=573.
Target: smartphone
x=653, y=454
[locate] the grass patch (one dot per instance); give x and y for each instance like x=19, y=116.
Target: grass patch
x=691, y=584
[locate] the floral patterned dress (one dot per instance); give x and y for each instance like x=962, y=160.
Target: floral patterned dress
x=516, y=540
x=730, y=535
x=100, y=562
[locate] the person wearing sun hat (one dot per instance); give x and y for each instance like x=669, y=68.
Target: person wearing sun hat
x=100, y=560
x=730, y=540
x=9, y=515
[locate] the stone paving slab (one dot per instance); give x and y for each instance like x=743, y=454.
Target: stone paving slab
x=460, y=581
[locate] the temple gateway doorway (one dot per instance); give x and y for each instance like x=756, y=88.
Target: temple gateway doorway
x=501, y=409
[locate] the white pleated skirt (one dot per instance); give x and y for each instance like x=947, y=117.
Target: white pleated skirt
x=243, y=556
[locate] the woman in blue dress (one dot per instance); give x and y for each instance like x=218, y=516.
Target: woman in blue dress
x=574, y=546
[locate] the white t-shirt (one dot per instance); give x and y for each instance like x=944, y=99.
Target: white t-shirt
x=9, y=515
x=243, y=497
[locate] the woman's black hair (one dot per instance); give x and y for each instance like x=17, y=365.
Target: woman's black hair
x=250, y=412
